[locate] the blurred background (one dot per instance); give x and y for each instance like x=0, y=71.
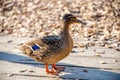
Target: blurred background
x=36, y=18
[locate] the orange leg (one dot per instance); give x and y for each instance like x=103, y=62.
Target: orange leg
x=52, y=71
x=59, y=68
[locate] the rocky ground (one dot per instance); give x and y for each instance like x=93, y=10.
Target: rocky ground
x=36, y=18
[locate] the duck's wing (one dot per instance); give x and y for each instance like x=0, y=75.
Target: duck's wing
x=41, y=47
x=49, y=40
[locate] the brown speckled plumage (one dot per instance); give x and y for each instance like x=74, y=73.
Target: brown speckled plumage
x=52, y=48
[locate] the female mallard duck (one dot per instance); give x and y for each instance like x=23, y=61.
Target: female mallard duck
x=51, y=49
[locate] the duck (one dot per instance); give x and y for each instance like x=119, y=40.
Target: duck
x=51, y=49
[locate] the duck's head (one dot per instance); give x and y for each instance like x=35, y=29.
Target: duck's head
x=70, y=19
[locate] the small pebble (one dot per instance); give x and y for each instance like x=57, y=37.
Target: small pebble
x=10, y=75
x=10, y=41
x=75, y=46
x=103, y=62
x=31, y=71
x=94, y=50
x=74, y=51
x=97, y=55
x=116, y=60
x=118, y=49
x=23, y=71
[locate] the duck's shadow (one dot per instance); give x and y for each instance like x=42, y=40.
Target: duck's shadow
x=81, y=73
x=14, y=58
x=71, y=72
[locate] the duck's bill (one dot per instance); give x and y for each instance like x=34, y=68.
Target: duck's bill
x=79, y=21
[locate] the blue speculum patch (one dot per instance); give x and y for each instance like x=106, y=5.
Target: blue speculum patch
x=35, y=47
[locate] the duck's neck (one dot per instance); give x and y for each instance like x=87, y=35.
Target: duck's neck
x=66, y=28
x=65, y=32
x=66, y=38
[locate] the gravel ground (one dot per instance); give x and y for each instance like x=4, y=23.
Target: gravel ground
x=36, y=18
